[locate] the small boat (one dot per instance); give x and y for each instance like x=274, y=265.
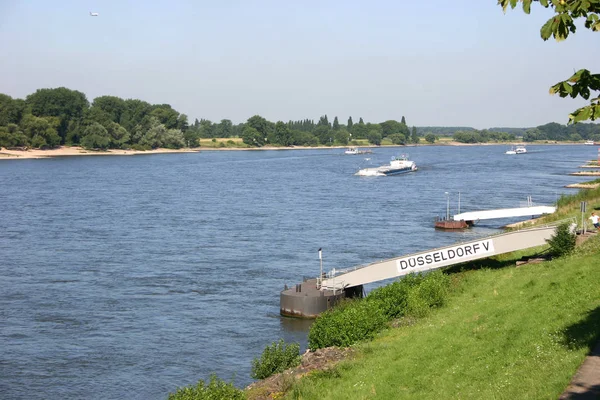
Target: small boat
x=511, y=151
x=520, y=150
x=450, y=224
x=398, y=165
x=590, y=142
x=356, y=150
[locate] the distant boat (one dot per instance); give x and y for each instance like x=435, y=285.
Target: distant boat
x=398, y=165
x=590, y=142
x=94, y=14
x=520, y=150
x=356, y=150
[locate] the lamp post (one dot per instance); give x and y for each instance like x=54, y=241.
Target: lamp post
x=321, y=272
x=447, y=205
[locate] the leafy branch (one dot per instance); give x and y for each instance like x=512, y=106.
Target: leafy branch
x=560, y=26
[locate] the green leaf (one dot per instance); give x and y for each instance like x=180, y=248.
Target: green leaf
x=546, y=30
x=527, y=6
x=544, y=3
x=582, y=114
x=567, y=88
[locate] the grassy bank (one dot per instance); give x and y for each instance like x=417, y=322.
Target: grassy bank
x=504, y=333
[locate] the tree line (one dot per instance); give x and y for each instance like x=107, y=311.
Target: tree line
x=548, y=132
x=60, y=116
x=53, y=117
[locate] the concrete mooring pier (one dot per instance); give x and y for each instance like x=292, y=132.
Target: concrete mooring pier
x=306, y=300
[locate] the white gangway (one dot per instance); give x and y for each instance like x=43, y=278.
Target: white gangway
x=442, y=257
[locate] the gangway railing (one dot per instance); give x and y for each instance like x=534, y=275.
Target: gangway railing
x=439, y=257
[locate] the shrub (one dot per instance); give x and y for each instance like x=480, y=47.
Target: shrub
x=563, y=240
x=431, y=292
x=216, y=389
x=356, y=320
x=140, y=147
x=347, y=324
x=276, y=358
x=413, y=295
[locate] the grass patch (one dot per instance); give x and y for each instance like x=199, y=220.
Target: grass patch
x=504, y=333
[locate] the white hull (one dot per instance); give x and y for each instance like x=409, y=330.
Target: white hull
x=396, y=167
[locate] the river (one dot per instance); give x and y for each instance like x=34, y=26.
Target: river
x=128, y=276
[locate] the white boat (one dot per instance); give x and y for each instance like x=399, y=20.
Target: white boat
x=356, y=150
x=511, y=151
x=520, y=150
x=398, y=165
x=589, y=142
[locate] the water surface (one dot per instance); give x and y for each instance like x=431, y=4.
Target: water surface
x=126, y=277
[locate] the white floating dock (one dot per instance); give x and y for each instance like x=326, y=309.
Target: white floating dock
x=504, y=213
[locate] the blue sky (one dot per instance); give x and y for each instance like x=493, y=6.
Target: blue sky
x=438, y=63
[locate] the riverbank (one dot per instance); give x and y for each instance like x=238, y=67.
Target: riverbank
x=477, y=346
x=69, y=151
x=66, y=151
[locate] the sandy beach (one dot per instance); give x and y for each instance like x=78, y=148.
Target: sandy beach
x=65, y=151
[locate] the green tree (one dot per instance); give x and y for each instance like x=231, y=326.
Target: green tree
x=11, y=110
x=119, y=137
x=136, y=111
x=262, y=126
x=282, y=134
x=207, y=129
x=403, y=120
x=559, y=26
x=225, y=128
x=166, y=115
x=359, y=130
x=374, y=137
x=336, y=124
x=323, y=121
x=155, y=136
x=113, y=106
x=397, y=138
x=575, y=137
x=414, y=136
x=173, y=139
x=141, y=128
x=341, y=136
x=192, y=136
x=430, y=138
x=563, y=241
x=252, y=137
x=41, y=131
x=390, y=127
x=302, y=138
x=61, y=102
x=324, y=134
x=350, y=123
x=95, y=136
x=12, y=136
